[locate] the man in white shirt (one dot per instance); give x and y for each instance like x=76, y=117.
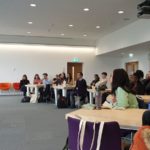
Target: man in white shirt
x=103, y=80
x=100, y=86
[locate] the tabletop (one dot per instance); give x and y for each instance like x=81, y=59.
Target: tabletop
x=127, y=119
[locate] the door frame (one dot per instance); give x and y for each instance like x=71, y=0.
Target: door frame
x=75, y=63
x=131, y=63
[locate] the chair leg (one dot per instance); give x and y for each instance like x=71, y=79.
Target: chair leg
x=66, y=145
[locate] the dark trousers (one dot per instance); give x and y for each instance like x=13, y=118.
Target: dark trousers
x=72, y=98
x=24, y=90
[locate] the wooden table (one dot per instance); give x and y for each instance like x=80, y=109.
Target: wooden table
x=36, y=87
x=127, y=119
x=92, y=93
x=64, y=90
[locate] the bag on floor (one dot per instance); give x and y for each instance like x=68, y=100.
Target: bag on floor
x=62, y=102
x=25, y=99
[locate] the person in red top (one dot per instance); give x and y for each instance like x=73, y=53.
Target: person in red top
x=37, y=79
x=141, y=139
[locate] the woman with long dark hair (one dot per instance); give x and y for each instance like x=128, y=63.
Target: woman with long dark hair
x=69, y=78
x=123, y=96
x=23, y=84
x=37, y=79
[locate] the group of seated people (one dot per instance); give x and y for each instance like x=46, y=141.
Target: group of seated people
x=37, y=80
x=123, y=93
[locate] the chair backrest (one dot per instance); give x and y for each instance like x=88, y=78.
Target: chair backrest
x=16, y=86
x=5, y=86
x=111, y=138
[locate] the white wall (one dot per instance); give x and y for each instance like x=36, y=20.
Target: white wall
x=130, y=35
x=142, y=58
x=16, y=60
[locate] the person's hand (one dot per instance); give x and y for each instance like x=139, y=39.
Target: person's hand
x=113, y=99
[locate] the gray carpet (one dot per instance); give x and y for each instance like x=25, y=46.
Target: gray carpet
x=31, y=126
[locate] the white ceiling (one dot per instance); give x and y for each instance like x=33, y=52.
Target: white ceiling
x=51, y=17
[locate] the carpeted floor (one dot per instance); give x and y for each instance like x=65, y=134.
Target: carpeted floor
x=31, y=126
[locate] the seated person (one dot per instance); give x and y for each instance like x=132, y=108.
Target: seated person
x=24, y=82
x=45, y=91
x=80, y=90
x=140, y=74
x=138, y=89
x=69, y=79
x=96, y=79
x=141, y=139
x=55, y=79
x=122, y=95
x=102, y=84
x=37, y=79
x=58, y=80
x=136, y=85
x=146, y=83
x=63, y=78
x=45, y=80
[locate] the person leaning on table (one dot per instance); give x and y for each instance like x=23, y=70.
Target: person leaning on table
x=141, y=139
x=122, y=96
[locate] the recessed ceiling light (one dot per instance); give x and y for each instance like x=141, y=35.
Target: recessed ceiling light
x=131, y=55
x=97, y=27
x=86, y=9
x=85, y=35
x=33, y=5
x=62, y=34
x=70, y=25
x=30, y=22
x=29, y=32
x=120, y=12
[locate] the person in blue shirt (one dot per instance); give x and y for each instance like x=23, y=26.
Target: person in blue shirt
x=45, y=80
x=45, y=91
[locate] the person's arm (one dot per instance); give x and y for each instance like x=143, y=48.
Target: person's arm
x=85, y=84
x=101, y=83
x=121, y=98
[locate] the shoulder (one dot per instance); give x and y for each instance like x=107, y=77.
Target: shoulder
x=119, y=89
x=146, y=136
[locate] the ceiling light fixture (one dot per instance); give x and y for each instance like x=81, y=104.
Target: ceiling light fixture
x=29, y=32
x=62, y=34
x=85, y=35
x=97, y=27
x=70, y=25
x=131, y=55
x=33, y=5
x=86, y=9
x=120, y=12
x=30, y=22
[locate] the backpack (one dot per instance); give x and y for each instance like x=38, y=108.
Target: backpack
x=62, y=102
x=25, y=99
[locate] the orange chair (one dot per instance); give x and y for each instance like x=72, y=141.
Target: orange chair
x=5, y=86
x=16, y=86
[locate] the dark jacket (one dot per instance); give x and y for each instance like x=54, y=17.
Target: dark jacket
x=81, y=87
x=23, y=83
x=138, y=88
x=146, y=83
